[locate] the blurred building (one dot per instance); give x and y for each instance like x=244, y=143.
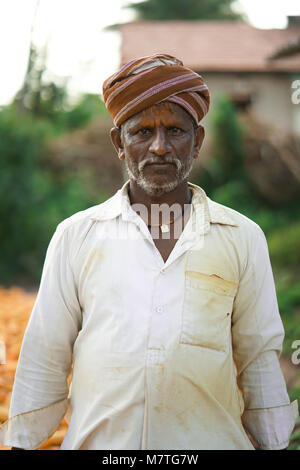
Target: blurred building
x=255, y=67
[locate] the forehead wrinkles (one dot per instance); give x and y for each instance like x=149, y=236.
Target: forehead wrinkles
x=166, y=106
x=158, y=108
x=166, y=112
x=162, y=111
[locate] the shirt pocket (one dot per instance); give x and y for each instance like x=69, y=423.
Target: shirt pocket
x=207, y=308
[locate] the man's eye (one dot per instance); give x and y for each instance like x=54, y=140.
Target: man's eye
x=144, y=131
x=175, y=130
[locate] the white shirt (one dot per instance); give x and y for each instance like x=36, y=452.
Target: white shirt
x=157, y=347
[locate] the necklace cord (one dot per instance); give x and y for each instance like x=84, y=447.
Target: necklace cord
x=171, y=222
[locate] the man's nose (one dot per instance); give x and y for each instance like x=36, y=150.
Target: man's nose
x=160, y=144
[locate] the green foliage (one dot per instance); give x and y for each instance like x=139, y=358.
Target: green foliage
x=288, y=296
x=185, y=10
x=68, y=118
x=228, y=137
x=89, y=107
x=32, y=200
x=239, y=195
x=284, y=245
x=224, y=177
x=47, y=100
x=37, y=96
x=234, y=194
x=291, y=325
x=294, y=394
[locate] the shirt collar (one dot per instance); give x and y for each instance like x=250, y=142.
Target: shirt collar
x=210, y=212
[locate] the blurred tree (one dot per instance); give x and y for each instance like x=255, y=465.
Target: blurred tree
x=41, y=98
x=228, y=138
x=88, y=107
x=23, y=91
x=44, y=98
x=48, y=100
x=36, y=95
x=223, y=175
x=185, y=10
x=34, y=199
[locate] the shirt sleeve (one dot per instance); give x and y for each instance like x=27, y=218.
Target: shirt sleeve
x=257, y=337
x=40, y=391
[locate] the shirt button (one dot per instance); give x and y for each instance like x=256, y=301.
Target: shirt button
x=159, y=309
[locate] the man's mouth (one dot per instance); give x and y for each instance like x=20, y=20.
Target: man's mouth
x=160, y=168
x=159, y=164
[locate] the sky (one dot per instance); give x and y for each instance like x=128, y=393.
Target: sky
x=79, y=51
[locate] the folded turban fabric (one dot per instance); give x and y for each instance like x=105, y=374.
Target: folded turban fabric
x=146, y=81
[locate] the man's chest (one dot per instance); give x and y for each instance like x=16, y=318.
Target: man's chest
x=165, y=247
x=132, y=298
x=166, y=237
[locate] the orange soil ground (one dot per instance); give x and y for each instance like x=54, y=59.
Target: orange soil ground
x=15, y=309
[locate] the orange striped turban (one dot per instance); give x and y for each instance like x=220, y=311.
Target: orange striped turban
x=147, y=81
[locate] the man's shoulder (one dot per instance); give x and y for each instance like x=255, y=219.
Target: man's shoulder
x=225, y=215
x=86, y=217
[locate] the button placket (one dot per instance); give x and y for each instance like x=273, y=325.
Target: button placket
x=155, y=356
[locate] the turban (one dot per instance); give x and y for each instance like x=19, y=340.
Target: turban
x=150, y=80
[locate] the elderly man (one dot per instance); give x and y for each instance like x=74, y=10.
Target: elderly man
x=162, y=299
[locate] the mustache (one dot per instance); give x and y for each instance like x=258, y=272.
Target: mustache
x=167, y=159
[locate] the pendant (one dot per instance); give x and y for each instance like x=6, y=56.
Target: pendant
x=164, y=228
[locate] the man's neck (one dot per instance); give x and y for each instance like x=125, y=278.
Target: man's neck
x=181, y=195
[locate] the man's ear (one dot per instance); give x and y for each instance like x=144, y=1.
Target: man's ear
x=200, y=134
x=116, y=138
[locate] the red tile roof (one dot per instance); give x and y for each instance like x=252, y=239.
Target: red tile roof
x=290, y=48
x=224, y=46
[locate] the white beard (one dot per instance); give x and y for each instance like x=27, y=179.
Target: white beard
x=151, y=188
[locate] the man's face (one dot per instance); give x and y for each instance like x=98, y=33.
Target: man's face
x=159, y=146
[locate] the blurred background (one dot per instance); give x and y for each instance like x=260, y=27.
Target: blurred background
x=56, y=157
